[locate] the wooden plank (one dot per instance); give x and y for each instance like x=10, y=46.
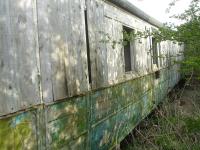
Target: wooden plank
x=164, y=52
x=139, y=55
x=141, y=58
x=7, y=98
x=118, y=68
x=98, y=54
x=77, y=69
x=44, y=46
x=19, y=70
x=63, y=48
x=115, y=59
x=124, y=17
x=148, y=51
x=110, y=49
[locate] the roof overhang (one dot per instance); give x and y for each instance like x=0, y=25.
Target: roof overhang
x=126, y=5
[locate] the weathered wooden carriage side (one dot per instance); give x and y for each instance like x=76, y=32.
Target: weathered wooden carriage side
x=19, y=71
x=63, y=82
x=62, y=40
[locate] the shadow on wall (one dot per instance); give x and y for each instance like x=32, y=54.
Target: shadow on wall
x=62, y=32
x=19, y=67
x=42, y=47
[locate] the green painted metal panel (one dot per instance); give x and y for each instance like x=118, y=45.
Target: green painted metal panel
x=127, y=120
x=98, y=120
x=147, y=103
x=102, y=135
x=102, y=104
x=66, y=121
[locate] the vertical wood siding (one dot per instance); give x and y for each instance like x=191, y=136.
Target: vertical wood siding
x=115, y=59
x=63, y=51
x=19, y=69
x=98, y=52
x=43, y=50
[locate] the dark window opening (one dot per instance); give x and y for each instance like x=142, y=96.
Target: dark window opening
x=157, y=74
x=155, y=51
x=127, y=48
x=88, y=47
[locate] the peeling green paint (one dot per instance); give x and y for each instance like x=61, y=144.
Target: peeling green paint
x=98, y=120
x=66, y=122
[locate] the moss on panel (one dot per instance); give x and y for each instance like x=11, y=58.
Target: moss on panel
x=102, y=104
x=66, y=121
x=18, y=132
x=6, y=134
x=98, y=120
x=103, y=135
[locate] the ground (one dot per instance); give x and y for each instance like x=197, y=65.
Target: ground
x=174, y=125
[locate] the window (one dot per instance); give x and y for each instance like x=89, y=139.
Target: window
x=127, y=47
x=155, y=51
x=157, y=74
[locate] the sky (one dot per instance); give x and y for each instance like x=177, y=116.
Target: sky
x=157, y=8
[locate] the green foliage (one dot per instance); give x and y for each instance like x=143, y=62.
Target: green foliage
x=175, y=125
x=192, y=125
x=187, y=33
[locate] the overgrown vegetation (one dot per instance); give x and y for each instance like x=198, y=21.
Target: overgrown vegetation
x=187, y=33
x=174, y=125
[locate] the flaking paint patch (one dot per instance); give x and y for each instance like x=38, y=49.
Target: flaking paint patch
x=18, y=132
x=66, y=121
x=98, y=120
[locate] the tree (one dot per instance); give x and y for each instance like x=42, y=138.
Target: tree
x=187, y=33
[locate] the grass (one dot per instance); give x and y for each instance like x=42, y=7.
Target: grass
x=174, y=125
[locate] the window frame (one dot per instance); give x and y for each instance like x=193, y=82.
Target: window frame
x=131, y=45
x=155, y=52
